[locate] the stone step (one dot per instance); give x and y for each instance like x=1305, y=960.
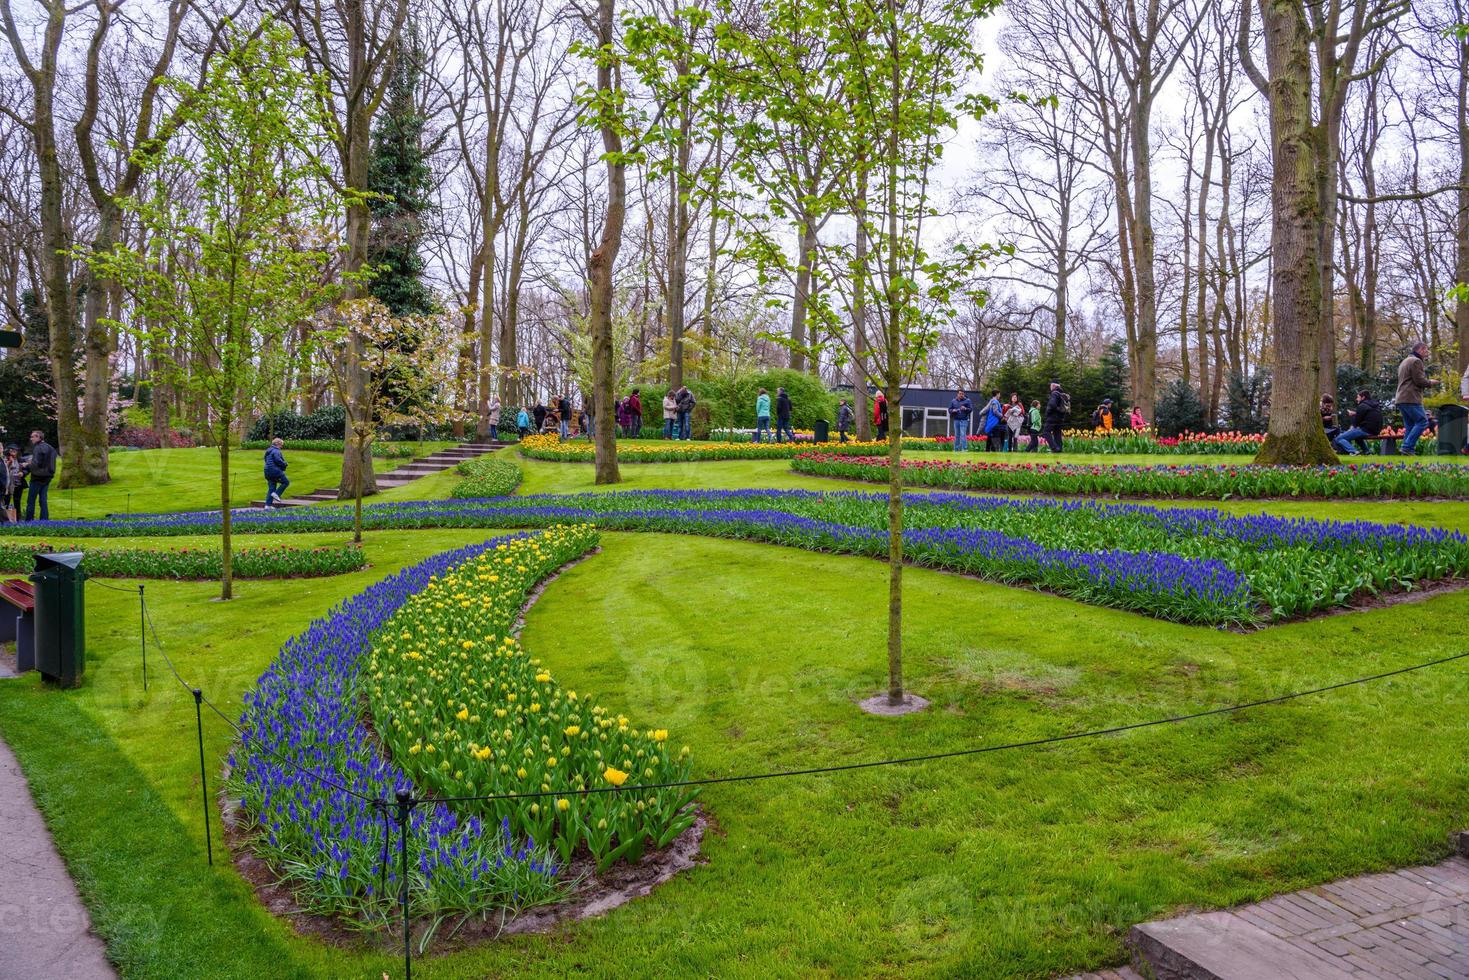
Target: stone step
x=1114, y=973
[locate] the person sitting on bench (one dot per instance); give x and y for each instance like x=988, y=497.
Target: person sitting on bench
x=1366, y=423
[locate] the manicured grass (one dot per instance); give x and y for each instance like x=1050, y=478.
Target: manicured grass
x=188, y=479
x=1026, y=863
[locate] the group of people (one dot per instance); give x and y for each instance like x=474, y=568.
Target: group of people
x=1368, y=417
x=27, y=477
x=1005, y=424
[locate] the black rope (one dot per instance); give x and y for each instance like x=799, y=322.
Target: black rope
x=957, y=753
x=111, y=588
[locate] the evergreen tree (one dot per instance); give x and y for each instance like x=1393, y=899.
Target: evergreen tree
x=27, y=401
x=1178, y=410
x=401, y=181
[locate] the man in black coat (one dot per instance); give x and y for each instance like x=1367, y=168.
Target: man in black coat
x=40, y=468
x=1366, y=421
x=1058, y=411
x=783, y=417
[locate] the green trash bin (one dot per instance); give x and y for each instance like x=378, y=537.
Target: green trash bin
x=1453, y=429
x=822, y=431
x=60, y=621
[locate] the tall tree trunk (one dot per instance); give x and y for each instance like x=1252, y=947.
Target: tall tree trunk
x=603, y=260
x=357, y=475
x=1296, y=435
x=227, y=576
x=510, y=323
x=859, y=319
x=805, y=255
x=1145, y=393
x=1461, y=223
x=678, y=252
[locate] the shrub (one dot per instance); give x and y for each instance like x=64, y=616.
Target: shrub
x=1178, y=410
x=380, y=450
x=329, y=422
x=486, y=478
x=195, y=563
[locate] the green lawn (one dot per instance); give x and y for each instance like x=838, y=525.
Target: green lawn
x=1026, y=863
x=188, y=479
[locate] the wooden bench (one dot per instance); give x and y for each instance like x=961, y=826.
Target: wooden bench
x=18, y=621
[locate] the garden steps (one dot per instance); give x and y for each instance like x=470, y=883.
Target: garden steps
x=1411, y=923
x=402, y=475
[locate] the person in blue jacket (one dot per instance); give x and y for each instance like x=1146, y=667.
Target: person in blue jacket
x=275, y=474
x=960, y=411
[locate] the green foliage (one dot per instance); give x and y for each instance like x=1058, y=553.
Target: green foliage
x=379, y=449
x=486, y=477
x=1247, y=402
x=328, y=422
x=809, y=399
x=1088, y=384
x=1178, y=410
x=400, y=179
x=26, y=399
x=195, y=563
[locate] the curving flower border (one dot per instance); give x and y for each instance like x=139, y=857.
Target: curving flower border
x=303, y=746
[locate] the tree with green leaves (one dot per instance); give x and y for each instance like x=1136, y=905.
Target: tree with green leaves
x=889, y=91
x=408, y=362
x=255, y=227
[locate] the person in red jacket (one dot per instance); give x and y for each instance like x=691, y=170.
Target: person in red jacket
x=634, y=414
x=880, y=415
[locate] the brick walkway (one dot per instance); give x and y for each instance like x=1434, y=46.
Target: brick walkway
x=44, y=928
x=1411, y=923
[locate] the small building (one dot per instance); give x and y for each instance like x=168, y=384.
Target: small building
x=925, y=410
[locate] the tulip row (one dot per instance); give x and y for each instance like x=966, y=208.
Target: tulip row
x=551, y=447
x=1217, y=482
x=194, y=563
x=317, y=797
x=486, y=477
x=467, y=712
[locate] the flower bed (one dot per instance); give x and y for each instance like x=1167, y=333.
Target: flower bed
x=194, y=563
x=468, y=712
x=551, y=448
x=1191, y=565
x=380, y=449
x=1218, y=482
x=454, y=700
x=486, y=478
x=303, y=721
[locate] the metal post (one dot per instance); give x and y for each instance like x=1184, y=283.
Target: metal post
x=143, y=634
x=203, y=780
x=405, y=806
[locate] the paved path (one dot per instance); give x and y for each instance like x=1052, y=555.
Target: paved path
x=1411, y=923
x=44, y=928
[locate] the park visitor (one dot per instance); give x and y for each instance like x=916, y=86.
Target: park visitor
x=1058, y=410
x=1136, y=420
x=539, y=415
x=563, y=413
x=684, y=402
x=1366, y=423
x=40, y=468
x=1328, y=418
x=1033, y=421
x=1102, y=417
x=845, y=416
x=522, y=421
x=961, y=410
x=1014, y=421
x=634, y=413
x=494, y=419
x=670, y=414
x=880, y=415
x=1412, y=383
x=762, y=415
x=11, y=479
x=994, y=423
x=275, y=473
x=783, y=416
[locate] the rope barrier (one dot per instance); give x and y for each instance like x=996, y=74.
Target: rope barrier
x=405, y=801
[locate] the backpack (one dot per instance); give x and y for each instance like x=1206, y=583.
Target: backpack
x=1097, y=419
x=1065, y=402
